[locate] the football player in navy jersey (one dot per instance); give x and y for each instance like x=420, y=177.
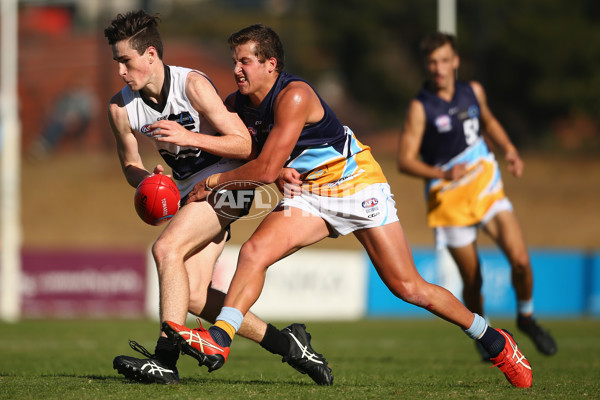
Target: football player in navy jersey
x=180, y=110
x=341, y=190
x=444, y=141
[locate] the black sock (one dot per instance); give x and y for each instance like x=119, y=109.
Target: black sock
x=220, y=336
x=492, y=341
x=167, y=351
x=275, y=341
x=524, y=320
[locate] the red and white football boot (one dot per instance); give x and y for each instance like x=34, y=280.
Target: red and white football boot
x=513, y=363
x=197, y=343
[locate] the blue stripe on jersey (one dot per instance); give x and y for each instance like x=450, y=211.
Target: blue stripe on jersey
x=476, y=152
x=314, y=156
x=472, y=154
x=387, y=209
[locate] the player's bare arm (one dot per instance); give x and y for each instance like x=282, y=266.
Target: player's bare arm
x=494, y=130
x=233, y=140
x=296, y=106
x=230, y=106
x=408, y=159
x=126, y=142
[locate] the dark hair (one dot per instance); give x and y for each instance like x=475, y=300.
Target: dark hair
x=267, y=43
x=435, y=41
x=140, y=28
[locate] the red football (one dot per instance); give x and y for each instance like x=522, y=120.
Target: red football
x=157, y=199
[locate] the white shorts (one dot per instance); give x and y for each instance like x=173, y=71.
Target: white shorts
x=459, y=236
x=370, y=207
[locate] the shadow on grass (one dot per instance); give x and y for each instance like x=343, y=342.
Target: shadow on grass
x=88, y=377
x=183, y=381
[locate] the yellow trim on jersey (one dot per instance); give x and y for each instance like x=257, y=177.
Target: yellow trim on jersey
x=465, y=202
x=335, y=180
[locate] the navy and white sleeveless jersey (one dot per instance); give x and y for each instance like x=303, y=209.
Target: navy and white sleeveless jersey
x=452, y=136
x=327, y=153
x=189, y=164
x=328, y=130
x=450, y=126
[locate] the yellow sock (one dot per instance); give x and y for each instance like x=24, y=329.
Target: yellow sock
x=226, y=327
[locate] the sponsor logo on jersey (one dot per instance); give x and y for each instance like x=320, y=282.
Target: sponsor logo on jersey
x=252, y=131
x=184, y=118
x=146, y=130
x=443, y=123
x=372, y=202
x=473, y=111
x=315, y=175
x=344, y=179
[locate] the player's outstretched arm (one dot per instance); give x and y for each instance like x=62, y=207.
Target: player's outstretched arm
x=295, y=106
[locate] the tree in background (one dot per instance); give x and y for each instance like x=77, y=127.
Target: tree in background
x=538, y=59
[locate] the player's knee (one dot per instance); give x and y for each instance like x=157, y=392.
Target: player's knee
x=418, y=293
x=163, y=251
x=408, y=291
x=250, y=251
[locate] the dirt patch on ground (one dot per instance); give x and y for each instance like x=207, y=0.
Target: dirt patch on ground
x=82, y=201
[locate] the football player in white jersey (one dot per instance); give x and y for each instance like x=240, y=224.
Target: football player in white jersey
x=197, y=136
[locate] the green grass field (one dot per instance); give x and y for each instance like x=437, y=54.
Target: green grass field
x=372, y=359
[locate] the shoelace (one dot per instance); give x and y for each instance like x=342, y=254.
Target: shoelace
x=139, y=348
x=200, y=327
x=516, y=355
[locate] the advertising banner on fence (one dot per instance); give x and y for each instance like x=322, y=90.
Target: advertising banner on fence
x=310, y=284
x=83, y=284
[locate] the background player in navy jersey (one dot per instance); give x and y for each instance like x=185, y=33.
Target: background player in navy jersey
x=343, y=191
x=180, y=110
x=443, y=142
